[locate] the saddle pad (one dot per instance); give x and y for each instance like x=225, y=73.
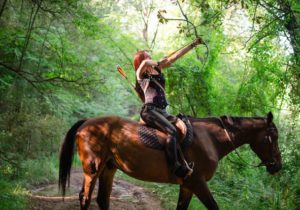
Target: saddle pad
x=149, y=138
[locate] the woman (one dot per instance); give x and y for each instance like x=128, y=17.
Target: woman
x=150, y=84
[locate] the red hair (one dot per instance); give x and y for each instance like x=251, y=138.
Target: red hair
x=139, y=57
x=137, y=60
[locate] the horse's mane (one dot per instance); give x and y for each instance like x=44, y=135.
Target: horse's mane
x=203, y=119
x=235, y=119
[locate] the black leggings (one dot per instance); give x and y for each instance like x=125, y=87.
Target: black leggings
x=158, y=118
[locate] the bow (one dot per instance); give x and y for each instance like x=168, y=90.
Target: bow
x=185, y=18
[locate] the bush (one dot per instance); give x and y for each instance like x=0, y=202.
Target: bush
x=12, y=195
x=40, y=171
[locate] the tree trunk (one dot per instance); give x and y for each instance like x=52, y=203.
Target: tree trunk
x=2, y=7
x=292, y=26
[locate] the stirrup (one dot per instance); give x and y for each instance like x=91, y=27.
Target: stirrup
x=190, y=168
x=184, y=171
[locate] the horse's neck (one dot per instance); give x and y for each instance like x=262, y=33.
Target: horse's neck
x=244, y=133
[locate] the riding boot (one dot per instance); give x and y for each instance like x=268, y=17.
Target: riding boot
x=176, y=168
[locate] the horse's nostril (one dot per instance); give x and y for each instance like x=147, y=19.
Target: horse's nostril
x=273, y=169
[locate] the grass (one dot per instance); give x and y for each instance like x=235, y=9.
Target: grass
x=39, y=171
x=12, y=195
x=235, y=188
x=14, y=183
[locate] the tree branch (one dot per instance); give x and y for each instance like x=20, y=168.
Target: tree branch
x=19, y=73
x=30, y=27
x=2, y=7
x=38, y=79
x=8, y=160
x=263, y=28
x=121, y=50
x=184, y=20
x=187, y=19
x=190, y=105
x=154, y=37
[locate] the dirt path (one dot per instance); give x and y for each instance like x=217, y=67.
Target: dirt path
x=125, y=196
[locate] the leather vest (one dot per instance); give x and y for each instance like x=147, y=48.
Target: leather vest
x=153, y=87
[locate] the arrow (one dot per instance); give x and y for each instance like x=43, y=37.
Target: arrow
x=120, y=70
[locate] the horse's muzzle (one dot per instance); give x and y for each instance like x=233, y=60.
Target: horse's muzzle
x=274, y=168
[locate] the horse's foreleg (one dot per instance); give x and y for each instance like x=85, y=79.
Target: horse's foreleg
x=203, y=193
x=185, y=196
x=105, y=187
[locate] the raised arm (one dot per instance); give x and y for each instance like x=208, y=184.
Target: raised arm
x=144, y=67
x=167, y=61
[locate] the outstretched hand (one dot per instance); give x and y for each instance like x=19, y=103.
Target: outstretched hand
x=198, y=41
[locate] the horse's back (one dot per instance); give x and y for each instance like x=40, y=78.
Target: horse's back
x=117, y=139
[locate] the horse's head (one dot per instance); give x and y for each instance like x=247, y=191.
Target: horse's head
x=266, y=146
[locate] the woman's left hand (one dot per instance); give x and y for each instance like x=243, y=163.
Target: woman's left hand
x=198, y=41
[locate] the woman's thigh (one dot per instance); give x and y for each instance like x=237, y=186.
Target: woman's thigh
x=156, y=119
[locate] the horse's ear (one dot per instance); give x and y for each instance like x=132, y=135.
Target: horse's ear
x=227, y=119
x=269, y=117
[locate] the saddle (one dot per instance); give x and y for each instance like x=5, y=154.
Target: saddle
x=151, y=138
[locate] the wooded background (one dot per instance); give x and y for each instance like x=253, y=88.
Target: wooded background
x=58, y=64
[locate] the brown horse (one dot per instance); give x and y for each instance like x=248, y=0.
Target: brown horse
x=109, y=143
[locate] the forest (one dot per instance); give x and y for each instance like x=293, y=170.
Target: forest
x=58, y=65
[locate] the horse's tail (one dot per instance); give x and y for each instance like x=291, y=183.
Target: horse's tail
x=66, y=156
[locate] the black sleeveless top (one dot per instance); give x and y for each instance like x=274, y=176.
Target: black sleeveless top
x=153, y=87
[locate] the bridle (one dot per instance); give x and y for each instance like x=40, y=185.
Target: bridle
x=268, y=137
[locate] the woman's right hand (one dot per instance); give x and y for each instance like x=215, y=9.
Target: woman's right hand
x=163, y=63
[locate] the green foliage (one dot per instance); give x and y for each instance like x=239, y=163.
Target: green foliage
x=57, y=65
x=12, y=195
x=39, y=171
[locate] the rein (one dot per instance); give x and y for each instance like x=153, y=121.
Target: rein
x=236, y=151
